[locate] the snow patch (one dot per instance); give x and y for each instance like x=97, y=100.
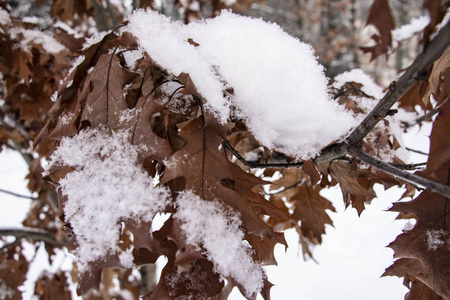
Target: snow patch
x=4, y=17
x=105, y=187
x=369, y=87
x=27, y=37
x=217, y=230
x=407, y=31
x=437, y=238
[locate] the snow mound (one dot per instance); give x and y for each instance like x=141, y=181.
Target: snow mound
x=279, y=88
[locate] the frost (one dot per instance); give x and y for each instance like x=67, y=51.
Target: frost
x=95, y=38
x=65, y=119
x=280, y=90
x=106, y=187
x=128, y=114
x=76, y=63
x=437, y=238
x=217, y=230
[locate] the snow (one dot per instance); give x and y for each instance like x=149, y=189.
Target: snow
x=437, y=238
x=67, y=28
x=77, y=61
x=30, y=36
x=95, y=38
x=4, y=17
x=444, y=20
x=105, y=188
x=131, y=57
x=31, y=20
x=280, y=90
x=369, y=87
x=217, y=229
x=407, y=31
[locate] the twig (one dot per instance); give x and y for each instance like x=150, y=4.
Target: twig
x=409, y=166
x=408, y=177
x=419, y=67
x=427, y=116
x=283, y=189
x=107, y=86
x=32, y=233
x=253, y=164
x=416, y=151
x=17, y=195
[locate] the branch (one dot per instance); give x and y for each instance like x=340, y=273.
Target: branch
x=32, y=233
x=17, y=195
x=416, y=151
x=416, y=71
x=253, y=164
x=408, y=177
x=423, y=118
x=411, y=167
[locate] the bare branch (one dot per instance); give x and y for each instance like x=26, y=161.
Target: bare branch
x=32, y=233
x=416, y=151
x=419, y=67
x=17, y=195
x=423, y=118
x=408, y=177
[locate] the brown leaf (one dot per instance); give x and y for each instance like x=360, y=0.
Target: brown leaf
x=380, y=16
x=353, y=184
x=309, y=167
x=142, y=133
x=424, y=246
x=439, y=141
x=198, y=282
x=106, y=103
x=310, y=209
x=52, y=286
x=13, y=272
x=203, y=165
x=436, y=10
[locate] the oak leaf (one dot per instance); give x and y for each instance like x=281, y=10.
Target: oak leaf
x=380, y=16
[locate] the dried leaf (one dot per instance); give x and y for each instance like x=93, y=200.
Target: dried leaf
x=380, y=16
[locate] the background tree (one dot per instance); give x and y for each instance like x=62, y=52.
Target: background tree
x=114, y=86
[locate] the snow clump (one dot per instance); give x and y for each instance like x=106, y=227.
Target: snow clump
x=279, y=88
x=105, y=188
x=210, y=225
